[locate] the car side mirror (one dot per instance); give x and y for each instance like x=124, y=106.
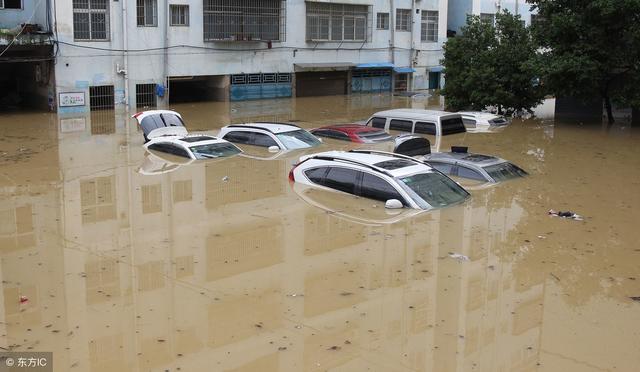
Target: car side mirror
x=393, y=204
x=273, y=149
x=320, y=139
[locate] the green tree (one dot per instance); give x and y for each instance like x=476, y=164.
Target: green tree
x=491, y=65
x=591, y=48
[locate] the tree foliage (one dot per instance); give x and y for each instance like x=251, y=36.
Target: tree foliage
x=591, y=48
x=491, y=65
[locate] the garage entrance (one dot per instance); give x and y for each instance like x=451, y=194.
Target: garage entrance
x=183, y=89
x=26, y=75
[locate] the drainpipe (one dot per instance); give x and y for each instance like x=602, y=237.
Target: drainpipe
x=412, y=50
x=392, y=27
x=125, y=47
x=166, y=52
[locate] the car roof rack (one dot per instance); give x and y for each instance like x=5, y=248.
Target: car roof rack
x=260, y=128
x=391, y=154
x=331, y=158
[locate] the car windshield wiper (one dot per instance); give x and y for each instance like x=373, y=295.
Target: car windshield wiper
x=207, y=155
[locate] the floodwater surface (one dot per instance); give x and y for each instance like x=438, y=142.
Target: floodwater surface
x=119, y=260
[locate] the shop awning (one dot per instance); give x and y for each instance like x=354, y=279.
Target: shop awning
x=404, y=70
x=436, y=69
x=375, y=65
x=336, y=66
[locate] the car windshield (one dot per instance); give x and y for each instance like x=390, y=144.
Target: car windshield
x=214, y=150
x=298, y=139
x=434, y=188
x=504, y=171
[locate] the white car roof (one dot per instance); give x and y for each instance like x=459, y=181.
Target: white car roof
x=372, y=159
x=183, y=140
x=141, y=115
x=271, y=127
x=480, y=114
x=414, y=113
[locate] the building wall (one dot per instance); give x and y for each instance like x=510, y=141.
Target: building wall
x=459, y=9
x=79, y=67
x=31, y=12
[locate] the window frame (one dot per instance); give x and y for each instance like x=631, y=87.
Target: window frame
x=320, y=22
x=429, y=19
x=141, y=13
x=360, y=189
x=90, y=29
x=179, y=7
x=2, y=5
x=425, y=124
x=403, y=20
x=374, y=119
x=384, y=25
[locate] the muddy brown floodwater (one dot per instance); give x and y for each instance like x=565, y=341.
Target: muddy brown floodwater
x=130, y=262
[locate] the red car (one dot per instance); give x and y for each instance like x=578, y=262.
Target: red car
x=353, y=133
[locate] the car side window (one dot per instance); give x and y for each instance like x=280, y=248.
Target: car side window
x=378, y=122
x=158, y=147
x=237, y=136
x=424, y=127
x=261, y=139
x=468, y=121
x=403, y=125
x=442, y=167
x=376, y=188
x=179, y=151
x=321, y=133
x=339, y=135
x=342, y=179
x=316, y=175
x=469, y=173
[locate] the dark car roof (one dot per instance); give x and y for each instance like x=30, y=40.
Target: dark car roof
x=476, y=159
x=351, y=128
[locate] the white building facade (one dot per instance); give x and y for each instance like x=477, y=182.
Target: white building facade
x=143, y=53
x=486, y=9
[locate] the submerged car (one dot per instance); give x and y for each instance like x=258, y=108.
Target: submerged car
x=477, y=167
x=438, y=123
x=353, y=133
x=477, y=121
x=164, y=131
x=275, y=136
x=398, y=180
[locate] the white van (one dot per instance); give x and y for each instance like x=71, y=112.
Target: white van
x=438, y=123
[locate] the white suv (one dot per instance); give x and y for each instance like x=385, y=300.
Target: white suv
x=398, y=180
x=275, y=136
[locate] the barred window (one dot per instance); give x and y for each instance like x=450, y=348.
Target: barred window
x=429, y=30
x=403, y=19
x=179, y=15
x=487, y=18
x=382, y=21
x=90, y=19
x=336, y=22
x=147, y=13
x=244, y=20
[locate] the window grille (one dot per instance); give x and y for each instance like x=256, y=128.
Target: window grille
x=179, y=15
x=487, y=18
x=337, y=22
x=101, y=97
x=91, y=19
x=244, y=20
x=403, y=19
x=146, y=95
x=147, y=13
x=429, y=30
x=382, y=21
x=260, y=78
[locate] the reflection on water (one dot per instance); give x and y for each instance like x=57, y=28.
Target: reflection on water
x=222, y=265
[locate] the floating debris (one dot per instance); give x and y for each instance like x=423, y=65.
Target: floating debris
x=225, y=179
x=565, y=214
x=458, y=256
x=334, y=348
x=635, y=298
x=24, y=299
x=295, y=295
